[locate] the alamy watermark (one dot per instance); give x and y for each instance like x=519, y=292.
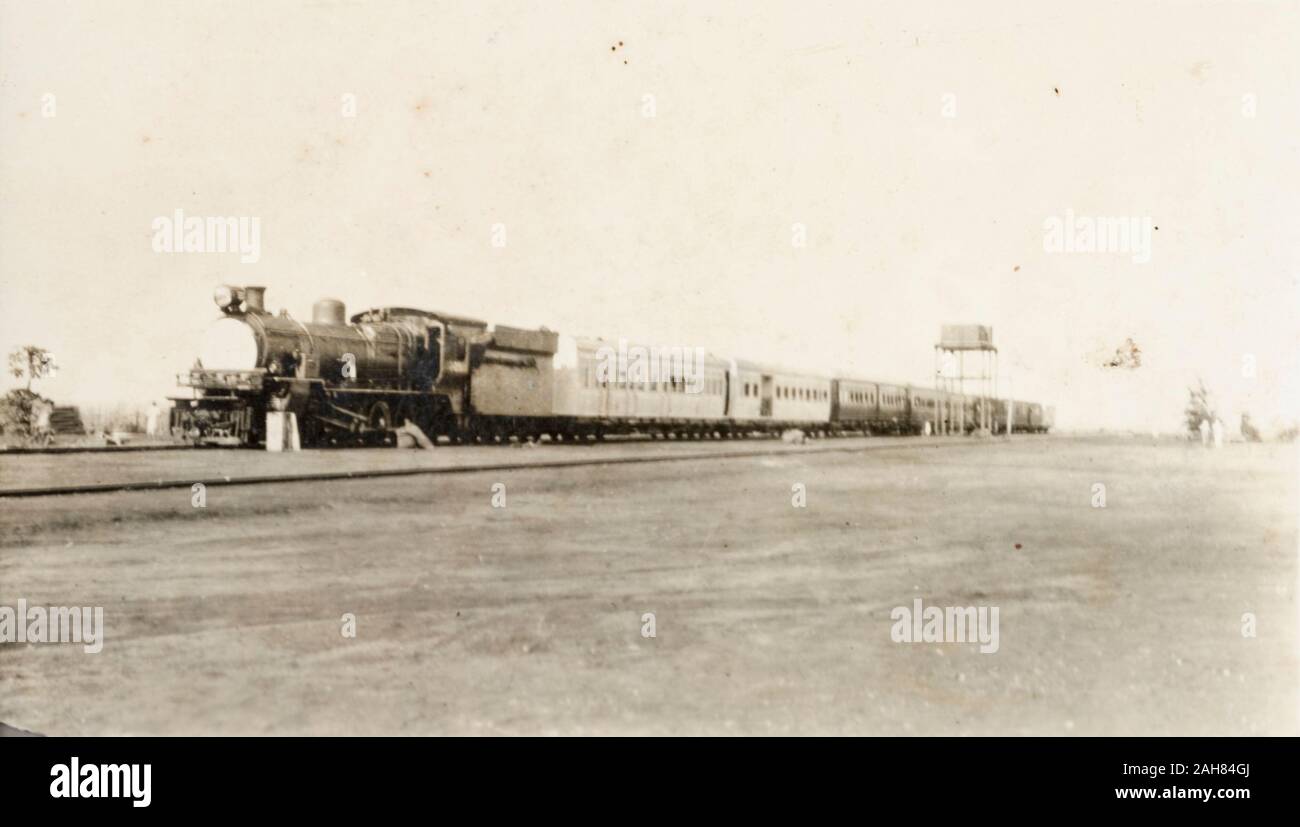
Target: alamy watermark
x=77, y=780
x=56, y=624
x=1099, y=234
x=676, y=367
x=948, y=624
x=177, y=233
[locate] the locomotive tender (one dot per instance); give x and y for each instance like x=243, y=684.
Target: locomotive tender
x=358, y=379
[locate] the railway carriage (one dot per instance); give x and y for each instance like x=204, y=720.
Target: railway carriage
x=600, y=389
x=799, y=398
x=854, y=405
x=923, y=409
x=771, y=398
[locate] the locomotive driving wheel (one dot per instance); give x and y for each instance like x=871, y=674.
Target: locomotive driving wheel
x=379, y=421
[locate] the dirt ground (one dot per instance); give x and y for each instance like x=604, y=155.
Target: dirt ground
x=769, y=618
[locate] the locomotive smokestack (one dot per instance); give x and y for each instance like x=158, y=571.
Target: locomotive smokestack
x=328, y=311
x=254, y=299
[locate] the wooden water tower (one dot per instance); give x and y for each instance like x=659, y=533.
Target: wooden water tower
x=972, y=378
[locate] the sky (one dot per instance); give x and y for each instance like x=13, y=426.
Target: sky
x=657, y=190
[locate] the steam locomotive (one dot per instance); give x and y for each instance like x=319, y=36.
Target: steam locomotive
x=359, y=379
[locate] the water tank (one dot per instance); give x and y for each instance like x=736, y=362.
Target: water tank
x=328, y=311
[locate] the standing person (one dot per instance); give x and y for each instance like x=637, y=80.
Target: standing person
x=151, y=419
x=1205, y=433
x=1218, y=432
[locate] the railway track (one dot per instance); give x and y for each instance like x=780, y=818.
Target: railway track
x=110, y=449
x=784, y=449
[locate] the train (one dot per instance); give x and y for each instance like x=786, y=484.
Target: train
x=363, y=379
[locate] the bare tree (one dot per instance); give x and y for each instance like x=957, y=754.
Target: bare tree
x=31, y=363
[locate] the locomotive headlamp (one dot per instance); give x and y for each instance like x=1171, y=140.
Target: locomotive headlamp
x=228, y=298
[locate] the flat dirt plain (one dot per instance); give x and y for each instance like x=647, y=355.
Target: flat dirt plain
x=769, y=619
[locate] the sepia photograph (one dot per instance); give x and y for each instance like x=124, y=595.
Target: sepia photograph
x=450, y=368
